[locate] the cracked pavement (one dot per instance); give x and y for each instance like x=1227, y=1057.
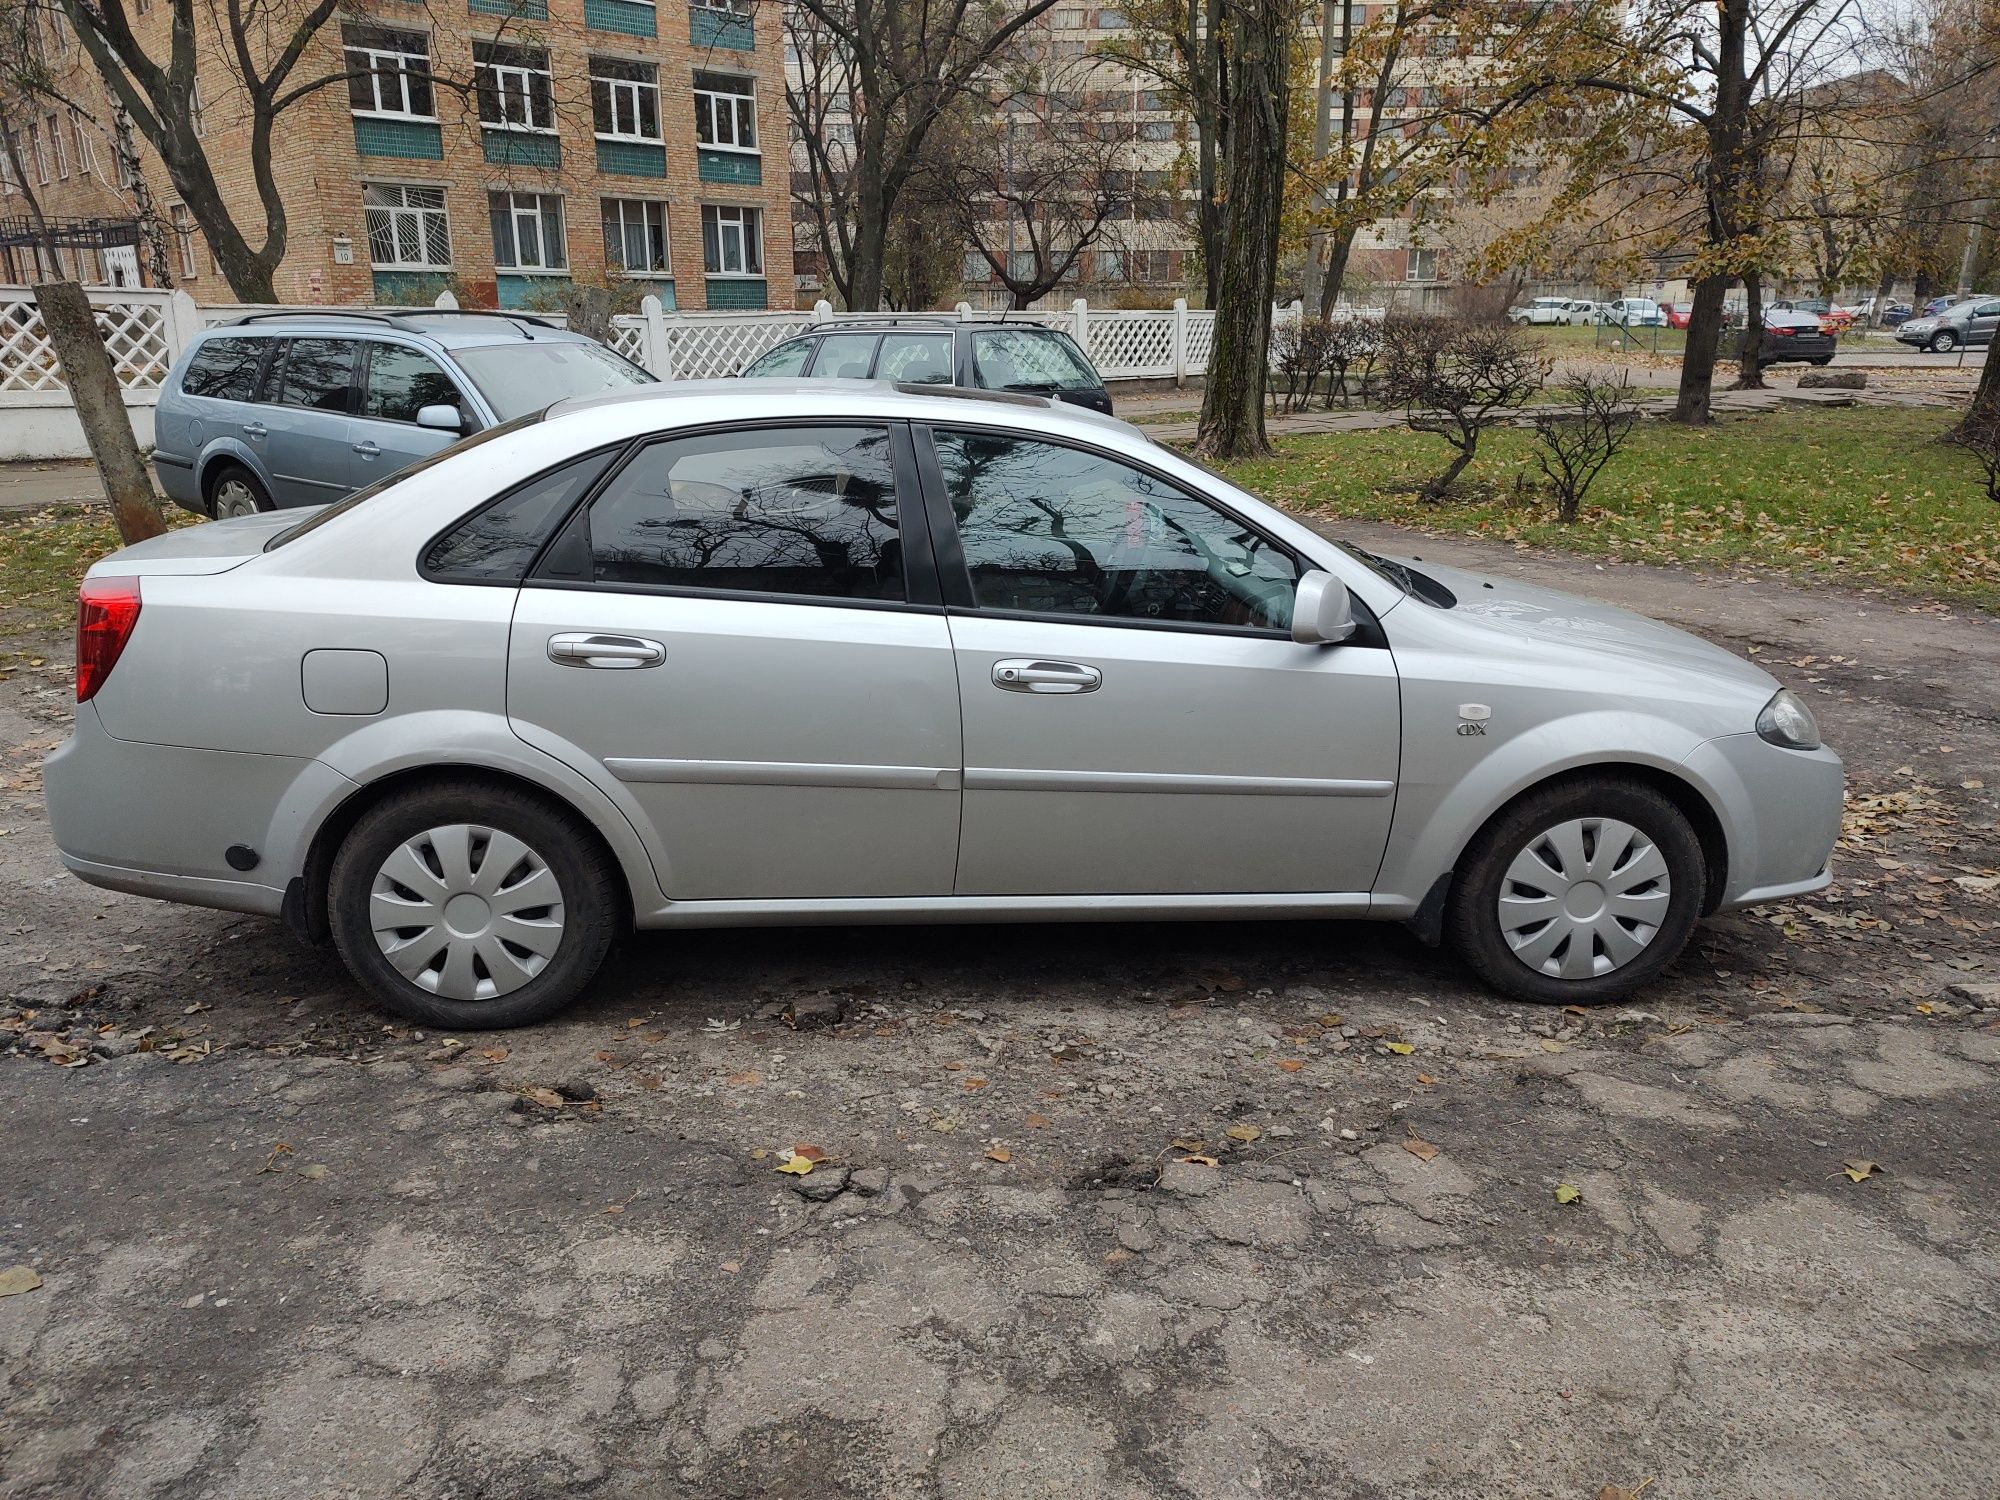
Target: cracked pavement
x=293, y=1250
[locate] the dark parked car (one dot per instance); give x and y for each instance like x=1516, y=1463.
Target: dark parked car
x=1026, y=358
x=1791, y=336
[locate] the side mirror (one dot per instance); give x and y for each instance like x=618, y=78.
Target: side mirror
x=1322, y=612
x=443, y=418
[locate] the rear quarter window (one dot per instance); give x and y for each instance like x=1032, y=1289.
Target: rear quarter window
x=499, y=542
x=225, y=369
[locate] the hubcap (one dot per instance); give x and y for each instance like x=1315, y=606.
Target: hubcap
x=234, y=498
x=466, y=912
x=1584, y=898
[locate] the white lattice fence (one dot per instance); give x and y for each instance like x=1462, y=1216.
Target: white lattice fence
x=628, y=337
x=709, y=347
x=1131, y=345
x=137, y=334
x=1200, y=340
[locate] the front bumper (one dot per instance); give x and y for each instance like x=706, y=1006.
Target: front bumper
x=156, y=820
x=1781, y=813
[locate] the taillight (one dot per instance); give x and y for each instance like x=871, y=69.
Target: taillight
x=106, y=611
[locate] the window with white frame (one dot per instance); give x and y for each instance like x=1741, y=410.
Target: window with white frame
x=407, y=229
x=635, y=236
x=389, y=72
x=732, y=240
x=528, y=232
x=38, y=149
x=725, y=111
x=183, y=223
x=62, y=146
x=86, y=154
x=195, y=119
x=1423, y=266
x=516, y=90
x=625, y=100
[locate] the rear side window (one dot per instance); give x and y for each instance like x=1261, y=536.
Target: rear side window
x=845, y=356
x=915, y=358
x=225, y=370
x=786, y=359
x=498, y=543
x=401, y=382
x=807, y=510
x=319, y=375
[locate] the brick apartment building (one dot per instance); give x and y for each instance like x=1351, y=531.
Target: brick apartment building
x=498, y=148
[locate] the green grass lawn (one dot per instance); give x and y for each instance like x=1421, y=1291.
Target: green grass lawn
x=43, y=555
x=1864, y=495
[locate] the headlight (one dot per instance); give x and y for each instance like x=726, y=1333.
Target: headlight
x=1788, y=722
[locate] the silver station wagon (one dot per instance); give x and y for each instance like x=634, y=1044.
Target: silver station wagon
x=771, y=652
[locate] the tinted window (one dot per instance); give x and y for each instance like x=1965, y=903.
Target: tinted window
x=916, y=358
x=786, y=359
x=497, y=544
x=519, y=378
x=318, y=374
x=225, y=369
x=1054, y=530
x=1030, y=359
x=402, y=382
x=845, y=356
x=808, y=510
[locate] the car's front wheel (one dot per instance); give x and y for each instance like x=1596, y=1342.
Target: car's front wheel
x=469, y=906
x=1578, y=893
x=1943, y=341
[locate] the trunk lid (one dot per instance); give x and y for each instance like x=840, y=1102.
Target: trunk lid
x=211, y=547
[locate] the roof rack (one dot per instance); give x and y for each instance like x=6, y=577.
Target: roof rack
x=486, y=312
x=965, y=393
x=404, y=320
x=330, y=312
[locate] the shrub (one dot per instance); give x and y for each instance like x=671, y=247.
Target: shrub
x=1457, y=379
x=1574, y=441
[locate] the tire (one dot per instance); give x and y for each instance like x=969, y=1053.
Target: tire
x=1942, y=342
x=486, y=964
x=235, y=491
x=1528, y=838
x=1827, y=360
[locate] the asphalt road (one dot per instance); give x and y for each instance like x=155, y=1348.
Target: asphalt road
x=292, y=1250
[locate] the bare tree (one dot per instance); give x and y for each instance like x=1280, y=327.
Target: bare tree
x=1577, y=438
x=1457, y=379
x=885, y=71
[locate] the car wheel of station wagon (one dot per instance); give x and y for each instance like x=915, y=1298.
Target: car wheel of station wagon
x=468, y=906
x=1579, y=893
x=237, y=493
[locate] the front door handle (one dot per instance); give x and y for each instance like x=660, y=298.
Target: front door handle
x=253, y=429
x=581, y=648
x=366, y=448
x=1021, y=675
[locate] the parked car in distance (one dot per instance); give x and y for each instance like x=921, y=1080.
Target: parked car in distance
x=990, y=354
x=1677, y=313
x=1897, y=313
x=1968, y=324
x=1548, y=311
x=282, y=409
x=792, y=651
x=1938, y=304
x=1795, y=336
x=1635, y=312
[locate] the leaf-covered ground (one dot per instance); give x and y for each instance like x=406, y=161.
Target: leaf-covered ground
x=1870, y=496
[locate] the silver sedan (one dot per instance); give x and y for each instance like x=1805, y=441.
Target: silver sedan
x=832, y=652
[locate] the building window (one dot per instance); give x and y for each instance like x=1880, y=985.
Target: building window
x=38, y=149
x=528, y=232
x=625, y=100
x=732, y=240
x=389, y=72
x=194, y=110
x=516, y=91
x=62, y=146
x=975, y=270
x=86, y=155
x=407, y=230
x=1423, y=266
x=183, y=223
x=635, y=236
x=725, y=111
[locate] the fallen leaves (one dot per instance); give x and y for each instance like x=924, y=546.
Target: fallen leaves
x=999, y=1154
x=795, y=1165
x=1619, y=1492
x=546, y=1097
x=1858, y=1171
x=18, y=1279
x=1420, y=1148
x=1244, y=1133
x=1565, y=1193
x=1035, y=1121
x=1290, y=1064
x=1550, y=1044
x=1401, y=1049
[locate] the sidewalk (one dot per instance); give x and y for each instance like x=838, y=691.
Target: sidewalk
x=30, y=486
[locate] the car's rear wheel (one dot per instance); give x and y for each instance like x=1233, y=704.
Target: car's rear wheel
x=470, y=906
x=1943, y=341
x=1578, y=893
x=235, y=491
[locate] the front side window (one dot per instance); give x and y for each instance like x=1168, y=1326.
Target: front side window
x=732, y=240
x=635, y=236
x=1058, y=531
x=406, y=227
x=319, y=375
x=808, y=511
x=498, y=544
x=402, y=382
x=224, y=370
x=388, y=72
x=625, y=99
x=528, y=232
x=516, y=91
x=1031, y=360
x=725, y=111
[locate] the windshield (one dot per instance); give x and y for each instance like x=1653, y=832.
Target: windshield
x=320, y=515
x=1030, y=359
x=519, y=378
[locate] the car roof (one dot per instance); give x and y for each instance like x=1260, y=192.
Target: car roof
x=942, y=322
x=463, y=329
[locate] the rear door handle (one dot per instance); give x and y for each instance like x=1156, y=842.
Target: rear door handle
x=366, y=448
x=610, y=652
x=1021, y=675
x=253, y=429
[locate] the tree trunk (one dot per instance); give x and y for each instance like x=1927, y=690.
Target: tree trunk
x=1704, y=331
x=100, y=408
x=1985, y=405
x=1440, y=487
x=1232, y=408
x=1339, y=251
x=1749, y=366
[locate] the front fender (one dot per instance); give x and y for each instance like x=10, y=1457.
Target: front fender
x=1452, y=786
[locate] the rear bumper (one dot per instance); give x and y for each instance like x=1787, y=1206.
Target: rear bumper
x=1781, y=814
x=178, y=481
x=156, y=820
